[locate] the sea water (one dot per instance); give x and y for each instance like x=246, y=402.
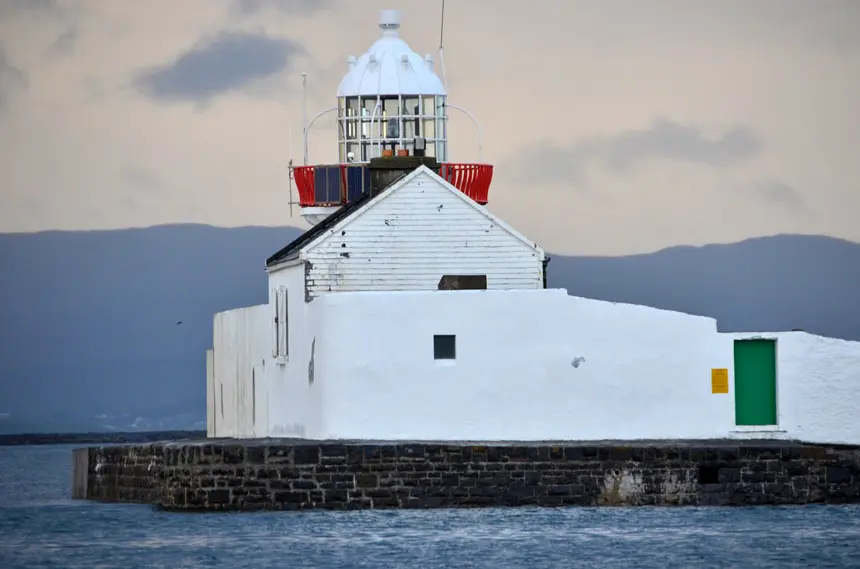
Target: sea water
x=40, y=526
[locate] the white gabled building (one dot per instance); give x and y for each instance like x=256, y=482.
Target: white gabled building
x=410, y=311
x=406, y=238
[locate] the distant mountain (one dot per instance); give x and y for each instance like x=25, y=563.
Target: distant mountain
x=775, y=283
x=107, y=330
x=134, y=437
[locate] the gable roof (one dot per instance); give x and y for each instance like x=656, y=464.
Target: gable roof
x=291, y=251
x=342, y=216
x=486, y=213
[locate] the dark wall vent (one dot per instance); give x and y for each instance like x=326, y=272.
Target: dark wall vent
x=463, y=282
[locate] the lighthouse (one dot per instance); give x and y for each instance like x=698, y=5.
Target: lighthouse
x=392, y=109
x=410, y=311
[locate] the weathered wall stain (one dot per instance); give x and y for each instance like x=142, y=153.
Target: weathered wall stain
x=311, y=361
x=621, y=487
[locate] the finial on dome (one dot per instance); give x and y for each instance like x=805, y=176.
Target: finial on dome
x=389, y=20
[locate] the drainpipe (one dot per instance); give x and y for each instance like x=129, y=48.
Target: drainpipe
x=546, y=261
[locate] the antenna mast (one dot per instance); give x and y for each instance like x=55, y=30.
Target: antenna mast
x=290, y=175
x=442, y=48
x=305, y=116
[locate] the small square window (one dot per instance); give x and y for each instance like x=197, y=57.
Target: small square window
x=444, y=347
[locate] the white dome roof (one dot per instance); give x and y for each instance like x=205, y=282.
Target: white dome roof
x=390, y=67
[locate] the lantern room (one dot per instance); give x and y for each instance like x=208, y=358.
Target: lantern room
x=390, y=103
x=389, y=97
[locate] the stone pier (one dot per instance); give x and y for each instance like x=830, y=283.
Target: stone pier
x=284, y=474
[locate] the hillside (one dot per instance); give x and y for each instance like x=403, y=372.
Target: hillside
x=107, y=330
x=772, y=283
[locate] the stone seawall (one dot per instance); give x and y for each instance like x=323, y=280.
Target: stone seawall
x=297, y=475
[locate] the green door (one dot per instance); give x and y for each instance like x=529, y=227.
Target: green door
x=755, y=382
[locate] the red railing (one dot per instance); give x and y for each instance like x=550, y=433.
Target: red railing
x=471, y=179
x=304, y=176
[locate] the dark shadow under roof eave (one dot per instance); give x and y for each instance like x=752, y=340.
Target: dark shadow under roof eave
x=273, y=261
x=291, y=251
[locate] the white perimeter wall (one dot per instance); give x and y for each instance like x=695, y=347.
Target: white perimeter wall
x=250, y=392
x=646, y=373
x=210, y=393
x=239, y=369
x=642, y=373
x=294, y=403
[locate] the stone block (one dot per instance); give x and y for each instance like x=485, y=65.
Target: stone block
x=514, y=454
x=233, y=454
x=377, y=493
x=384, y=503
x=450, y=480
x=359, y=504
x=291, y=497
x=354, y=455
x=409, y=451
x=380, y=452
x=215, y=497
x=335, y=496
x=279, y=454
x=306, y=455
x=255, y=455
x=333, y=451
x=729, y=475
x=838, y=475
x=532, y=477
x=367, y=480
x=621, y=454
x=552, y=501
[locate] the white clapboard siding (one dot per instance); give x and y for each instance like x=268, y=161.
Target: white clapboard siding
x=412, y=236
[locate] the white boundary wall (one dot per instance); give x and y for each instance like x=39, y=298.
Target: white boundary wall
x=530, y=365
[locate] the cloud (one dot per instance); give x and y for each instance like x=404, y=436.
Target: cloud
x=778, y=192
x=139, y=178
x=228, y=62
x=65, y=42
x=11, y=79
x=37, y=13
x=832, y=24
x=621, y=153
x=284, y=6
x=673, y=141
x=14, y=8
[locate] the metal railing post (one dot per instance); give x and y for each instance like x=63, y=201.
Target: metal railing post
x=477, y=124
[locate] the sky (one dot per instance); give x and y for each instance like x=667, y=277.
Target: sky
x=615, y=126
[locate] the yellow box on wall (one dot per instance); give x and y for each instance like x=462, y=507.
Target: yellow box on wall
x=719, y=380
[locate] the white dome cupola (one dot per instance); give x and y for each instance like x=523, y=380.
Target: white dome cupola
x=390, y=97
x=390, y=67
